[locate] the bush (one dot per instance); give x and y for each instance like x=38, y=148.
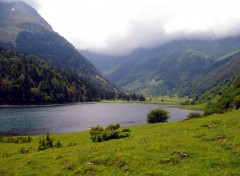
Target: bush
x=96, y=133
x=24, y=150
x=236, y=102
x=157, y=115
x=71, y=144
x=194, y=115
x=99, y=134
x=211, y=108
x=47, y=142
x=17, y=140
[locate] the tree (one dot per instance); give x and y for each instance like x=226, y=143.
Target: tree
x=157, y=115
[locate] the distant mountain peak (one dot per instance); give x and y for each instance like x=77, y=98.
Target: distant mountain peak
x=15, y=13
x=23, y=29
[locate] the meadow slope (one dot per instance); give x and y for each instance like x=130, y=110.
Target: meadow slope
x=204, y=146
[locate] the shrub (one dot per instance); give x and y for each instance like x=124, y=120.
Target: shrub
x=157, y=115
x=99, y=134
x=71, y=144
x=96, y=133
x=236, y=102
x=47, y=142
x=58, y=144
x=17, y=140
x=113, y=127
x=194, y=115
x=24, y=150
x=211, y=108
x=126, y=130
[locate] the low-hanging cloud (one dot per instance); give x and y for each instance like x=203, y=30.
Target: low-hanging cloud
x=165, y=21
x=147, y=35
x=34, y=3
x=117, y=27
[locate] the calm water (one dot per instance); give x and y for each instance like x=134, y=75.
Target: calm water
x=77, y=117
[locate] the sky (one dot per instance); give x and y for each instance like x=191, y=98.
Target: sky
x=116, y=27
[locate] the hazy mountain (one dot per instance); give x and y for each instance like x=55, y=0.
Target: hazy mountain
x=216, y=74
x=12, y=17
x=181, y=67
x=21, y=27
x=105, y=63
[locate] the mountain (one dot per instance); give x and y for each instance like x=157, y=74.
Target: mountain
x=224, y=98
x=28, y=79
x=185, y=67
x=105, y=63
x=14, y=15
x=216, y=74
x=23, y=29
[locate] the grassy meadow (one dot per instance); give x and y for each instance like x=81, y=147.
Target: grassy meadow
x=165, y=100
x=203, y=146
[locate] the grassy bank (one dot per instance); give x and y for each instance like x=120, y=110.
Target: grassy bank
x=151, y=100
x=205, y=146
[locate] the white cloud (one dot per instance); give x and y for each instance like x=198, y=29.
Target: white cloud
x=118, y=26
x=33, y=3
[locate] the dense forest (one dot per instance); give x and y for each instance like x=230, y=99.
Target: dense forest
x=59, y=53
x=26, y=79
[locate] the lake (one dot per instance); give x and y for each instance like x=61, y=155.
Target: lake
x=77, y=117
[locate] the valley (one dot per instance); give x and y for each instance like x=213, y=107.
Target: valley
x=183, y=68
x=98, y=105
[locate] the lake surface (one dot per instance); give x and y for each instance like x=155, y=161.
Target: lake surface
x=77, y=117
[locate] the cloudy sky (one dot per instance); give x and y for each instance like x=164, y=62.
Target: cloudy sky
x=117, y=27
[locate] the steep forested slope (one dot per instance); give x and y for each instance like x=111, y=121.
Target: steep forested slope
x=28, y=79
x=21, y=27
x=223, y=98
x=217, y=74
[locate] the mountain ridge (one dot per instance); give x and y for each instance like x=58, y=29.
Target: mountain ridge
x=12, y=14
x=170, y=68
x=27, y=32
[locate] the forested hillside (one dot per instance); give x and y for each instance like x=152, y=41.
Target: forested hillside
x=28, y=79
x=22, y=28
x=223, y=98
x=215, y=75
x=184, y=68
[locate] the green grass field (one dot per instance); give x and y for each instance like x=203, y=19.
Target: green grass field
x=204, y=146
x=166, y=100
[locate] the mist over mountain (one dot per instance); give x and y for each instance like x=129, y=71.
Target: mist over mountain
x=184, y=67
x=119, y=27
x=23, y=29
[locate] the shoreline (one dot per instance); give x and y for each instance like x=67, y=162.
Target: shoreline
x=167, y=103
x=44, y=105
x=42, y=130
